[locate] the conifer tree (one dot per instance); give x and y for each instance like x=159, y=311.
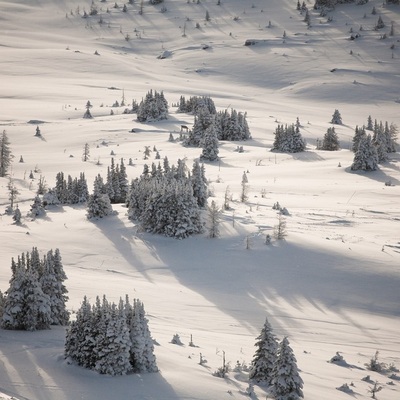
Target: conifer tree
x=209, y=144
x=199, y=184
x=330, y=141
x=358, y=134
x=366, y=156
x=286, y=382
x=261, y=369
x=336, y=118
x=5, y=154
x=214, y=218
x=99, y=204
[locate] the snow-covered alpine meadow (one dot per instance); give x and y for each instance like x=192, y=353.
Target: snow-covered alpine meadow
x=332, y=285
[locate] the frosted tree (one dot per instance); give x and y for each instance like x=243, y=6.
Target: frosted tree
x=113, y=348
x=79, y=343
x=261, y=369
x=330, y=141
x=17, y=215
x=5, y=154
x=358, y=134
x=213, y=220
x=286, y=382
x=37, y=208
x=366, y=156
x=52, y=281
x=26, y=307
x=199, y=184
x=142, y=350
x=99, y=204
x=336, y=118
x=209, y=143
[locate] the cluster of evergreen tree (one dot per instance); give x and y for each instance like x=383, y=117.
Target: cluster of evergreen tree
x=196, y=103
x=227, y=125
x=168, y=199
x=275, y=365
x=330, y=3
x=67, y=191
x=117, y=184
x=37, y=295
x=154, y=107
x=288, y=139
x=370, y=150
x=111, y=339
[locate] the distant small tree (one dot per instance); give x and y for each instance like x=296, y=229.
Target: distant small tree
x=207, y=16
x=86, y=152
x=88, y=114
x=17, y=216
x=336, y=118
x=12, y=193
x=280, y=229
x=214, y=218
x=37, y=209
x=5, y=155
x=38, y=133
x=375, y=389
x=379, y=24
x=245, y=188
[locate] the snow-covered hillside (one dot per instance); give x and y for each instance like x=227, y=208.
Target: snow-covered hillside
x=331, y=286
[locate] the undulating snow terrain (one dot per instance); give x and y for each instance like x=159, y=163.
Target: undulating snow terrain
x=332, y=285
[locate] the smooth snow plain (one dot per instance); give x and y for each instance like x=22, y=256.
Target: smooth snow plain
x=332, y=285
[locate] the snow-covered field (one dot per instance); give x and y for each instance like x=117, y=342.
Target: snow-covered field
x=332, y=285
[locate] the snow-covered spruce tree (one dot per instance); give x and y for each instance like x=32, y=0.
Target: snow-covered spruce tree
x=17, y=215
x=261, y=369
x=26, y=307
x=99, y=204
x=286, y=382
x=382, y=143
x=199, y=184
x=358, y=134
x=5, y=154
x=336, y=118
x=37, y=208
x=13, y=192
x=330, y=141
x=154, y=107
x=366, y=156
x=52, y=282
x=112, y=348
x=142, y=351
x=79, y=342
x=86, y=152
x=202, y=120
x=209, y=143
x=213, y=220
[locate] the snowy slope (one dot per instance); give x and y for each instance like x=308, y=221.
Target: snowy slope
x=328, y=286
